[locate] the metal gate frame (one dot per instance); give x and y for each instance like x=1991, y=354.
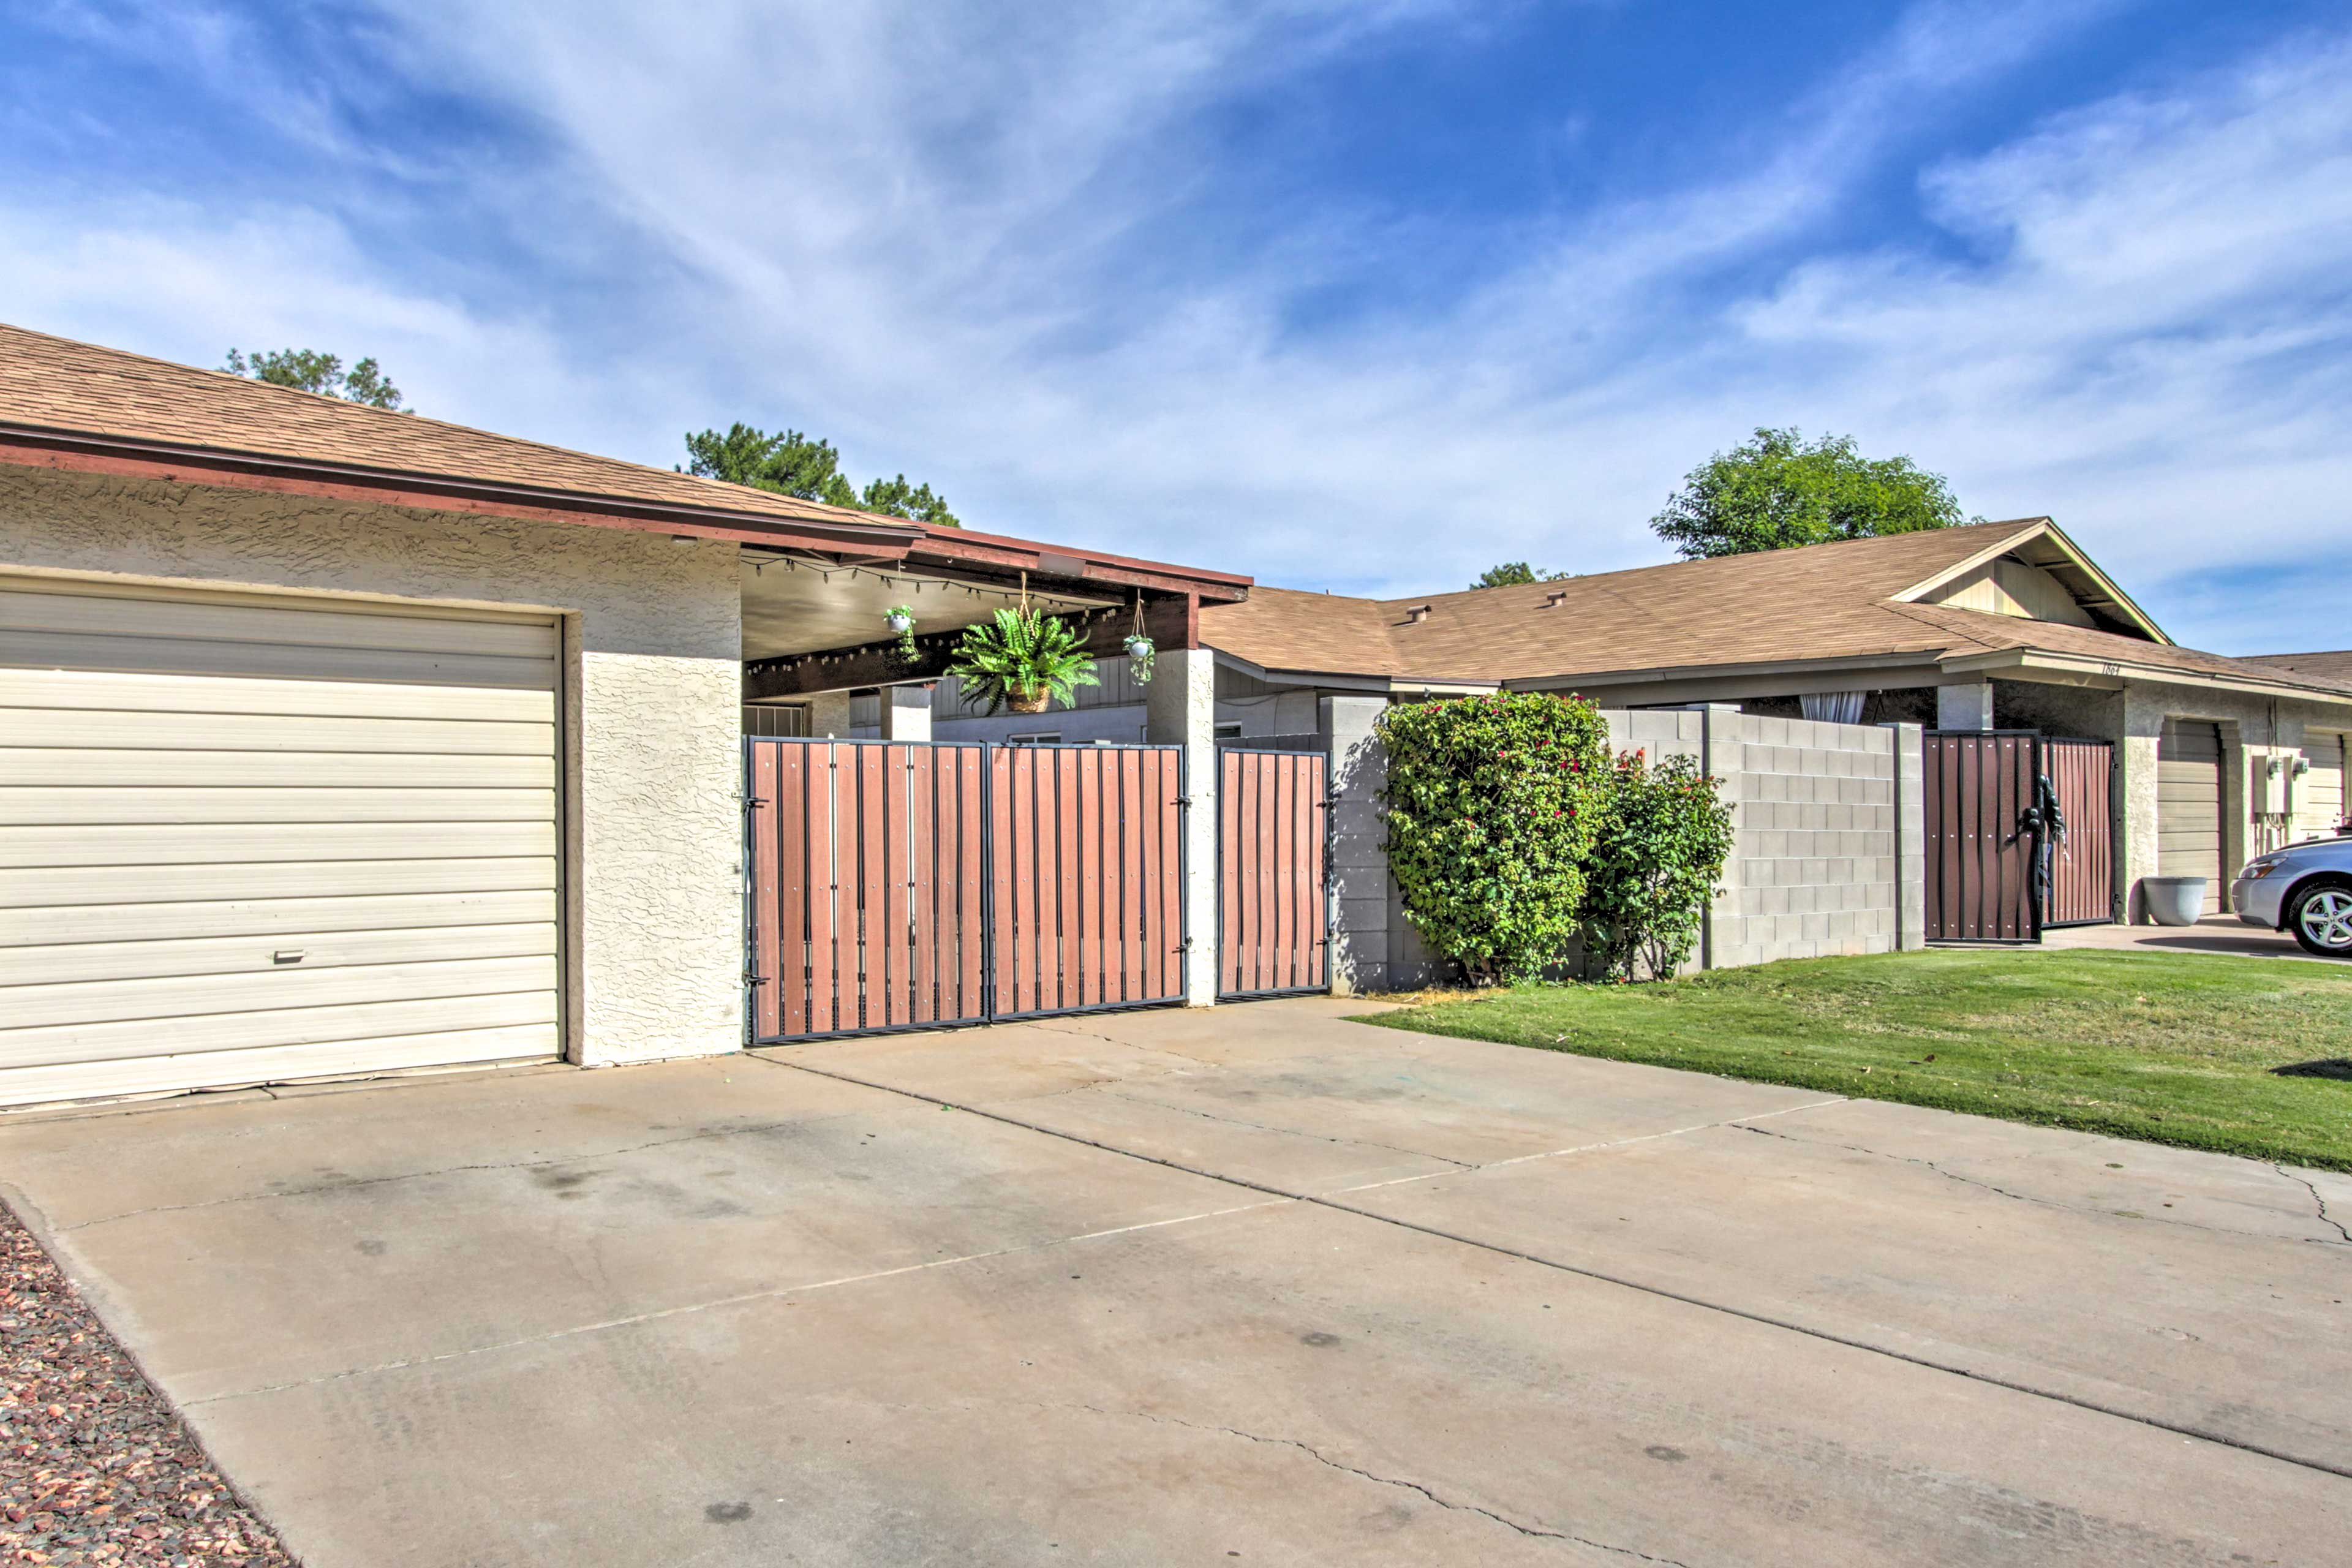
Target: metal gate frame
x=1935, y=804
x=984, y=869
x=1319, y=962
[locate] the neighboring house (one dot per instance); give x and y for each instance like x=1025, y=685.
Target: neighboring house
x=1999, y=625
x=336, y=740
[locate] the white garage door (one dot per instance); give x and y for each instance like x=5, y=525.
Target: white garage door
x=2188, y=804
x=2319, y=793
x=244, y=839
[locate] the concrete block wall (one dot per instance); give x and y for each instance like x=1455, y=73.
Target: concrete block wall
x=1829, y=855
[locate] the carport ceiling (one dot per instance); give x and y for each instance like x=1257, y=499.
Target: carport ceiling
x=805, y=604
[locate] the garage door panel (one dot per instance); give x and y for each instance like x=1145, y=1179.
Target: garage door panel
x=288, y=1026
x=55, y=887
x=30, y=847
x=2188, y=804
x=2319, y=793
x=166, y=655
x=127, y=693
x=58, y=965
x=283, y=623
x=107, y=729
x=294, y=837
x=51, y=807
x=278, y=920
x=264, y=770
x=180, y=998
x=275, y=1064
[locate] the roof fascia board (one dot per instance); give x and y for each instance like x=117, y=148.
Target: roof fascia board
x=71, y=452
x=1914, y=658
x=2041, y=528
x=2088, y=670
x=967, y=547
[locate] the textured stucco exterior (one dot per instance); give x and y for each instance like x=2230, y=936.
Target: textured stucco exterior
x=652, y=636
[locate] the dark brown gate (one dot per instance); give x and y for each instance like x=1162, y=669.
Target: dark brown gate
x=2082, y=853
x=901, y=886
x=1980, y=840
x=1274, y=931
x=1085, y=854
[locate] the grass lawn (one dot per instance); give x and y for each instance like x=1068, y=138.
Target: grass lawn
x=2171, y=1047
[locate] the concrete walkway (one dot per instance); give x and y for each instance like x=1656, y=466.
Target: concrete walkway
x=2225, y=934
x=1255, y=1285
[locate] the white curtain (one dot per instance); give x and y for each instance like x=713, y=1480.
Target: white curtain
x=1833, y=707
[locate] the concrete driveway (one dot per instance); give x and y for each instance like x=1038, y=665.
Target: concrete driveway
x=1257, y=1284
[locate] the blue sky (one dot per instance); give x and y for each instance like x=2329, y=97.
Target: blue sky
x=1362, y=297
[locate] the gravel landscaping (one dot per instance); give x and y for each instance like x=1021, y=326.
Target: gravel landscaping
x=94, y=1467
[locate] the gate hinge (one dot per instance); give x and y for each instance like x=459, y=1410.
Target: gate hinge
x=755, y=979
x=753, y=803
x=1183, y=800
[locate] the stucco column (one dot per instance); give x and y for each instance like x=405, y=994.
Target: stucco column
x=1968, y=707
x=2136, y=823
x=828, y=714
x=1359, y=837
x=1181, y=710
x=1910, y=837
x=906, y=712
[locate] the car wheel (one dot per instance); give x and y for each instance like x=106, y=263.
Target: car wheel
x=2322, y=922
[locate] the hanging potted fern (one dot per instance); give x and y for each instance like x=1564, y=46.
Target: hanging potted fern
x=1021, y=659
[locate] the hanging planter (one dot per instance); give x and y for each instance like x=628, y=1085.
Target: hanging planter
x=1140, y=654
x=1022, y=660
x=900, y=619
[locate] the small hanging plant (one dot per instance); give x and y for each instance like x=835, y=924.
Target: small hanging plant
x=900, y=618
x=1021, y=659
x=1140, y=649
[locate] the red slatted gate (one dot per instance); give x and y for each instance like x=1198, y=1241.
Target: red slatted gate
x=1087, y=866
x=896, y=886
x=1274, y=928
x=2082, y=857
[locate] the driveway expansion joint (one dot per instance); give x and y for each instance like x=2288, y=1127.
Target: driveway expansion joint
x=1291, y=1132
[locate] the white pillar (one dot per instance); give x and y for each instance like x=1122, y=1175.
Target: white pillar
x=828, y=713
x=1181, y=710
x=1358, y=843
x=1968, y=707
x=906, y=712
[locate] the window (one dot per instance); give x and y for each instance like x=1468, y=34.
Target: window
x=1231, y=730
x=1036, y=738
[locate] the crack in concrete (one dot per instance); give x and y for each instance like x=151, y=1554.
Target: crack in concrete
x=1320, y=1457
x=356, y=1183
x=687, y=1309
x=2313, y=1188
x=1292, y=1131
x=1048, y=1028
x=2041, y=1201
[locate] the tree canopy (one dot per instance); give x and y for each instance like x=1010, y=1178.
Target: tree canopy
x=790, y=463
x=1510, y=573
x=308, y=370
x=1778, y=491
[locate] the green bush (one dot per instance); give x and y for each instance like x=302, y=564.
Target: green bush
x=1659, y=847
x=1493, y=805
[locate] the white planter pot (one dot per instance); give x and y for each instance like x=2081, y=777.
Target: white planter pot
x=2174, y=901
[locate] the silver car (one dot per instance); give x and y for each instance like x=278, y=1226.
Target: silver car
x=2306, y=889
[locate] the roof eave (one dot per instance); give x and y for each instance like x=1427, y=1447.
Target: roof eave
x=42, y=447
x=2086, y=667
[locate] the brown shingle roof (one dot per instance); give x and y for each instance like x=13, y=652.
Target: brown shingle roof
x=1821, y=602
x=2335, y=666
x=55, y=384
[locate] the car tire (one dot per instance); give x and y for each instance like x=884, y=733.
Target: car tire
x=2321, y=920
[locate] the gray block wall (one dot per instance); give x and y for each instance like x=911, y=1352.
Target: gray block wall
x=1828, y=849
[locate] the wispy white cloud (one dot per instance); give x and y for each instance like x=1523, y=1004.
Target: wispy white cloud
x=956, y=240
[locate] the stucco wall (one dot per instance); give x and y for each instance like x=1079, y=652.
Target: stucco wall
x=652, y=642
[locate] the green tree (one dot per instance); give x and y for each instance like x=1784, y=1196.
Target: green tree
x=1777, y=491
x=1493, y=806
x=792, y=464
x=308, y=370
x=1510, y=573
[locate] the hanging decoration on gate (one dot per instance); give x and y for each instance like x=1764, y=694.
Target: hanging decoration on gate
x=1140, y=653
